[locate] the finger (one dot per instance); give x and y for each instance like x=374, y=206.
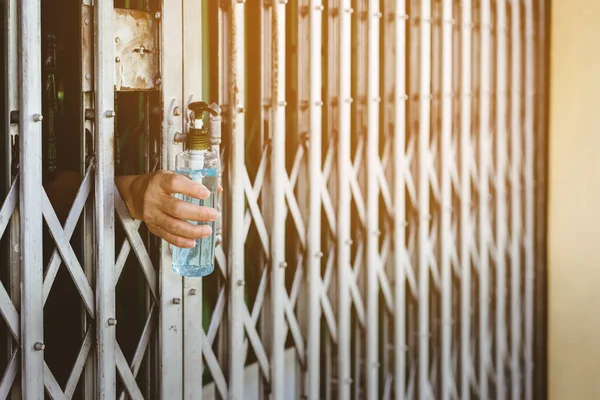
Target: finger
x=220, y=190
x=175, y=240
x=184, y=210
x=182, y=228
x=176, y=183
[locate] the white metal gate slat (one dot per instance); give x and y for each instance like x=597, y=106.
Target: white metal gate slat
x=30, y=146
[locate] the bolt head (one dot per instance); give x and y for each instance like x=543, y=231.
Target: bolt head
x=177, y=111
x=117, y=40
x=86, y=21
x=158, y=15
x=38, y=117
x=112, y=322
x=176, y=300
x=118, y=59
x=110, y=114
x=39, y=346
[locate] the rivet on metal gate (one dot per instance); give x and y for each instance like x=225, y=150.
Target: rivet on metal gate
x=282, y=103
x=157, y=15
x=176, y=300
x=349, y=242
x=403, y=17
x=112, y=322
x=192, y=292
x=177, y=111
x=349, y=381
x=350, y=10
x=320, y=8
x=110, y=114
x=241, y=1
x=405, y=223
x=319, y=254
x=86, y=21
x=282, y=1
x=118, y=59
x=377, y=99
x=240, y=109
x=378, y=14
x=377, y=233
x=349, y=100
x=117, y=40
x=158, y=81
x=241, y=282
x=88, y=76
x=319, y=104
x=283, y=264
x=39, y=346
x=38, y=117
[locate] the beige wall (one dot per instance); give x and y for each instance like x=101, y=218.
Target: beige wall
x=574, y=213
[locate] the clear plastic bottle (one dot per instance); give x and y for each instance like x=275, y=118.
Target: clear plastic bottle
x=200, y=164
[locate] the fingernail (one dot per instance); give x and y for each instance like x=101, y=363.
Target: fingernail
x=215, y=214
x=208, y=230
x=190, y=244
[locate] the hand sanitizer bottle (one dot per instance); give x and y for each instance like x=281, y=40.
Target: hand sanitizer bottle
x=201, y=164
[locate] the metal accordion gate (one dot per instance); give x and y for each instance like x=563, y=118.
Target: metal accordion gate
x=383, y=230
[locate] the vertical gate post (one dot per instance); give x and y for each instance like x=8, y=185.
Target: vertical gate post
x=316, y=186
x=501, y=214
x=171, y=317
x=446, y=178
x=529, y=196
x=344, y=200
x=193, y=334
x=484, y=196
x=277, y=110
x=400, y=167
x=465, y=208
x=373, y=262
x=232, y=88
x=515, y=183
x=104, y=199
x=30, y=118
x=424, y=187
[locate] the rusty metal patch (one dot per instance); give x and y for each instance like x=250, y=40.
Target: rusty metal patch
x=136, y=52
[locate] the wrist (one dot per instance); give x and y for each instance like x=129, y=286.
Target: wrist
x=128, y=186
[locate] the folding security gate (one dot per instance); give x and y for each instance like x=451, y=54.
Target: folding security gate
x=383, y=214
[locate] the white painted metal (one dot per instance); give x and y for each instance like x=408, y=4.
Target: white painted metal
x=501, y=194
x=373, y=263
x=193, y=338
x=515, y=188
x=344, y=238
x=465, y=197
x=30, y=195
x=484, y=196
x=171, y=287
x=425, y=165
x=401, y=257
x=446, y=223
x=278, y=265
x=104, y=200
x=314, y=252
x=231, y=60
x=529, y=97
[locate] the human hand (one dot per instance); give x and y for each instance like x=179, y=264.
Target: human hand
x=150, y=198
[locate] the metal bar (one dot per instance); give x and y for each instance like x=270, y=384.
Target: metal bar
x=529, y=195
x=171, y=287
x=233, y=92
x=400, y=166
x=192, y=288
x=344, y=199
x=315, y=178
x=484, y=196
x=278, y=201
x=373, y=264
x=30, y=145
x=515, y=179
x=424, y=252
x=501, y=212
x=465, y=196
x=446, y=223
